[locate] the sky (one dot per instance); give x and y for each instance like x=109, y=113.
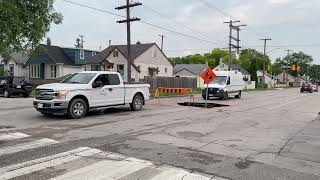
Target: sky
x=292, y=24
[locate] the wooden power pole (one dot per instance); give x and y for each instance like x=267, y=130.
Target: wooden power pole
x=128, y=22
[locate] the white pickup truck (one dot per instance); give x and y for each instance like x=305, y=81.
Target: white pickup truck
x=88, y=91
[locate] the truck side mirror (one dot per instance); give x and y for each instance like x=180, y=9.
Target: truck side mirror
x=228, y=82
x=97, y=84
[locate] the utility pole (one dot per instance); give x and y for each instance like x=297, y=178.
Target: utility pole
x=286, y=74
x=82, y=41
x=128, y=22
x=237, y=39
x=162, y=37
x=265, y=56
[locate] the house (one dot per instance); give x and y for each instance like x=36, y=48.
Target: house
x=286, y=78
x=56, y=62
x=268, y=79
x=148, y=60
x=16, y=66
x=190, y=71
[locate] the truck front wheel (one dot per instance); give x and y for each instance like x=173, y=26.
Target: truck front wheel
x=77, y=109
x=137, y=103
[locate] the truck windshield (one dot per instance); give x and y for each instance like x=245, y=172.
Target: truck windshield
x=220, y=80
x=79, y=78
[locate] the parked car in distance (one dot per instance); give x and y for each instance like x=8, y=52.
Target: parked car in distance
x=89, y=91
x=309, y=87
x=226, y=83
x=12, y=85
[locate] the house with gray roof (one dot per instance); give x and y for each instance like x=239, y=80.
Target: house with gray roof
x=148, y=60
x=16, y=65
x=54, y=62
x=190, y=71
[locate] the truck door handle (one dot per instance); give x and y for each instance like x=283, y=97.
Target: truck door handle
x=110, y=89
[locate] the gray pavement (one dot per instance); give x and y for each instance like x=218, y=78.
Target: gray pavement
x=265, y=135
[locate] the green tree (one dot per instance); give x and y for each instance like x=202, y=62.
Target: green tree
x=298, y=58
x=314, y=73
x=213, y=58
x=24, y=23
x=252, y=61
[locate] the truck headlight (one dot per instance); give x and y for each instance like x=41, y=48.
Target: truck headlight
x=61, y=94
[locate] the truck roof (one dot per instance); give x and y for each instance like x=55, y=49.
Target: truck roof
x=100, y=72
x=226, y=73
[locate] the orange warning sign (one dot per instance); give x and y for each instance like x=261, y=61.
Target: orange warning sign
x=208, y=75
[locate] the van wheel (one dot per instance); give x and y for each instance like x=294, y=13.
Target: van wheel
x=6, y=94
x=239, y=95
x=77, y=109
x=225, y=96
x=137, y=103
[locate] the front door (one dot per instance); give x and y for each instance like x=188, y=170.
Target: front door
x=111, y=92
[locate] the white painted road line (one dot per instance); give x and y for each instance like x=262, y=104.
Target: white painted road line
x=12, y=136
x=106, y=169
x=169, y=173
x=43, y=163
x=27, y=146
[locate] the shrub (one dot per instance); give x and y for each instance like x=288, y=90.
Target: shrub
x=262, y=86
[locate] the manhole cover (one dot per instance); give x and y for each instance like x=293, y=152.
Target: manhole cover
x=202, y=105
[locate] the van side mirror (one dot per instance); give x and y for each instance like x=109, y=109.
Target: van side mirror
x=97, y=84
x=228, y=82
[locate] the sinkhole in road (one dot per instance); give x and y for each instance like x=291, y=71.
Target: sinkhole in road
x=202, y=105
x=6, y=127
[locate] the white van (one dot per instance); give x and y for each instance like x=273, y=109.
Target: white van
x=226, y=83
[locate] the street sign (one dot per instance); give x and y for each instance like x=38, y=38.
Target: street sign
x=208, y=75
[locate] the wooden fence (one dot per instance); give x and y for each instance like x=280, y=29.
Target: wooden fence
x=170, y=82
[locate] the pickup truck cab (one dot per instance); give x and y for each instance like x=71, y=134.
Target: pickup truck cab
x=225, y=84
x=88, y=91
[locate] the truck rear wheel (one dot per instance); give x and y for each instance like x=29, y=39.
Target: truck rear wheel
x=77, y=109
x=137, y=103
x=239, y=95
x=6, y=94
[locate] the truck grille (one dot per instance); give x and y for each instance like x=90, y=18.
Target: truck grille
x=45, y=94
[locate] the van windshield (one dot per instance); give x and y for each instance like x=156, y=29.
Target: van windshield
x=220, y=80
x=79, y=78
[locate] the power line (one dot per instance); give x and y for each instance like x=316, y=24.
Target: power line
x=176, y=22
x=143, y=22
x=207, y=4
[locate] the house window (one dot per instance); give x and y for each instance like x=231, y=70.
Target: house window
x=115, y=54
x=35, y=71
x=53, y=70
x=95, y=68
x=11, y=69
x=81, y=53
x=94, y=53
x=166, y=70
x=120, y=69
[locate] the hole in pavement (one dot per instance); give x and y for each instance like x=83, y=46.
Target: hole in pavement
x=202, y=105
x=6, y=127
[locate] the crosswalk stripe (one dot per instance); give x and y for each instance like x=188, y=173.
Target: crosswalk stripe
x=106, y=169
x=27, y=146
x=12, y=136
x=177, y=174
x=43, y=163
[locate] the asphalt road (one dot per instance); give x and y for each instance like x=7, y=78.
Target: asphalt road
x=265, y=135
